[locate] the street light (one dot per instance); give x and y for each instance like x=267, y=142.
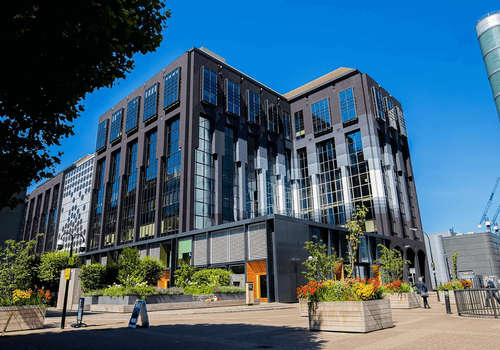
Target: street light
x=59, y=247
x=432, y=258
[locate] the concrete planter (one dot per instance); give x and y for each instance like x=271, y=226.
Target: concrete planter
x=156, y=299
x=350, y=316
x=303, y=307
x=403, y=300
x=451, y=294
x=23, y=317
x=231, y=296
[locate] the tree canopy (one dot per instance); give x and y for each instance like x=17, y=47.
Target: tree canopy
x=56, y=52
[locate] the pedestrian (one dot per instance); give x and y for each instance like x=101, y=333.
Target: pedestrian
x=490, y=292
x=423, y=291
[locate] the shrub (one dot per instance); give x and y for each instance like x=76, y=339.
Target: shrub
x=199, y=290
x=229, y=289
x=129, y=273
x=51, y=265
x=211, y=277
x=183, y=275
x=92, y=277
x=151, y=269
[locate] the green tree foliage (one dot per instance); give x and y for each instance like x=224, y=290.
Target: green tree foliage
x=455, y=264
x=319, y=264
x=151, y=270
x=356, y=226
x=93, y=277
x=51, y=265
x=17, y=265
x=211, y=277
x=74, y=48
x=391, y=263
x=129, y=273
x=183, y=275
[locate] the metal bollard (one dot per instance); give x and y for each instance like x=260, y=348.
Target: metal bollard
x=447, y=303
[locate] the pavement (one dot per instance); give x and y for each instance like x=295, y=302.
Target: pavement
x=264, y=326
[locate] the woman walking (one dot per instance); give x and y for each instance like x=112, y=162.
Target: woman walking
x=422, y=290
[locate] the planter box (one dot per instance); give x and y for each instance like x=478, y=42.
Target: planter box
x=303, y=307
x=403, y=300
x=350, y=316
x=23, y=317
x=452, y=297
x=156, y=299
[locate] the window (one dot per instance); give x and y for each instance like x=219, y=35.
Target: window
x=209, y=86
x=401, y=119
x=97, y=206
x=232, y=97
x=378, y=103
x=305, y=187
x=112, y=199
x=252, y=185
x=171, y=181
x=116, y=125
x=391, y=113
x=102, y=133
x=321, y=116
x=299, y=125
x=148, y=202
x=272, y=116
x=204, y=178
x=271, y=194
x=150, y=103
x=128, y=211
x=287, y=125
x=229, y=178
x=347, y=105
x=133, y=114
x=171, y=89
x=253, y=107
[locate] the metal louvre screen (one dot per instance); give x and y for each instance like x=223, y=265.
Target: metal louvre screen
x=257, y=243
x=219, y=247
x=237, y=244
x=154, y=251
x=200, y=250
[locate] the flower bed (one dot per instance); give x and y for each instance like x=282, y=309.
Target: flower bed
x=460, y=284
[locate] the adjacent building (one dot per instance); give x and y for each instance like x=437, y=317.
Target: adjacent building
x=488, y=34
x=206, y=165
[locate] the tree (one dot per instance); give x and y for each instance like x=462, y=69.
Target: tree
x=184, y=274
x=391, y=264
x=17, y=265
x=51, y=265
x=455, y=264
x=93, y=277
x=151, y=270
x=319, y=264
x=356, y=226
x=73, y=48
x=129, y=273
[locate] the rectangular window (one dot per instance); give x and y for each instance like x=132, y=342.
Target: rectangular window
x=252, y=185
x=171, y=89
x=133, y=108
x=401, y=120
x=102, y=133
x=148, y=202
x=305, y=187
x=150, y=103
x=347, y=105
x=299, y=125
x=321, y=116
x=171, y=181
x=209, y=86
x=129, y=197
x=112, y=201
x=230, y=187
x=272, y=116
x=232, y=97
x=97, y=206
x=287, y=125
x=204, y=178
x=253, y=107
x=116, y=125
x=271, y=194
x=378, y=103
x=391, y=113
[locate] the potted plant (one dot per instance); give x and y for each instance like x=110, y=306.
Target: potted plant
x=24, y=310
x=448, y=286
x=401, y=295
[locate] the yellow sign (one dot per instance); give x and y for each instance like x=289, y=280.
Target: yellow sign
x=67, y=274
x=71, y=261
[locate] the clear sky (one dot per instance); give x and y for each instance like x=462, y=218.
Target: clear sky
x=424, y=53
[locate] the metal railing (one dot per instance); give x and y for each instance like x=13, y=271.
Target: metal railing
x=481, y=302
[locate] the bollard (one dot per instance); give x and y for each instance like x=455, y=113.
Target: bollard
x=447, y=303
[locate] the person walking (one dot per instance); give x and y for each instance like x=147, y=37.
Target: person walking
x=490, y=293
x=423, y=291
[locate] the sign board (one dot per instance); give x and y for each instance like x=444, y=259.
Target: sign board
x=71, y=261
x=140, y=310
x=79, y=316
x=412, y=270
x=67, y=274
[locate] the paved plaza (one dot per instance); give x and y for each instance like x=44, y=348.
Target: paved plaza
x=266, y=326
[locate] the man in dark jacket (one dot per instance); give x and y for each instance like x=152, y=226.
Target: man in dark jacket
x=422, y=290
x=490, y=293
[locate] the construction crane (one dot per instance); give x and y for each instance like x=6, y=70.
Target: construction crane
x=494, y=221
x=489, y=203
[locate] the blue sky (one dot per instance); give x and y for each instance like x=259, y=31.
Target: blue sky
x=425, y=54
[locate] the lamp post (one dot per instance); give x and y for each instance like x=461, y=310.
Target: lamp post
x=432, y=259
x=59, y=247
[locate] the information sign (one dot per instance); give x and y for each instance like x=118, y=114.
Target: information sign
x=140, y=310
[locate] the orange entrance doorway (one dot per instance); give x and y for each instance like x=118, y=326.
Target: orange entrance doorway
x=257, y=274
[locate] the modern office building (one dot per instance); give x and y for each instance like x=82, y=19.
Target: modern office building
x=206, y=165
x=488, y=34
x=11, y=220
x=59, y=205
